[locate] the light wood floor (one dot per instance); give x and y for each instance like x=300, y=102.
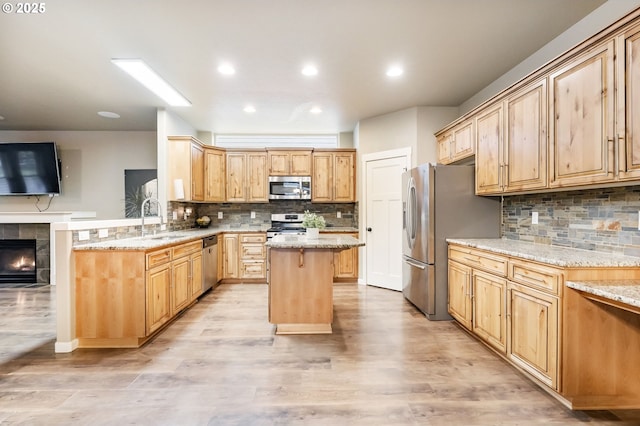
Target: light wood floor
x=221, y=364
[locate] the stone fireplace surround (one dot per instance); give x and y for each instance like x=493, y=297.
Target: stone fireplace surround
x=33, y=231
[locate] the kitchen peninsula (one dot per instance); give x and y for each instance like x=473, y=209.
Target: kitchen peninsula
x=301, y=281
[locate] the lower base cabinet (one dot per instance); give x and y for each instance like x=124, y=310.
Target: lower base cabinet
x=244, y=257
x=124, y=297
x=345, y=263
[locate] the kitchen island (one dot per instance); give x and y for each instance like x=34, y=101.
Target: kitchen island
x=300, y=278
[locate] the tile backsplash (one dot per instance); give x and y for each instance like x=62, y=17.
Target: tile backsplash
x=598, y=219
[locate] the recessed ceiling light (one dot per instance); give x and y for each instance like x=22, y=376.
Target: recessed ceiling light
x=1, y=117
x=394, y=71
x=250, y=109
x=310, y=70
x=137, y=69
x=315, y=110
x=226, y=69
x=108, y=114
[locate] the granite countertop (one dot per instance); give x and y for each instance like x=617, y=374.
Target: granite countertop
x=623, y=291
x=322, y=242
x=338, y=229
x=552, y=255
x=162, y=239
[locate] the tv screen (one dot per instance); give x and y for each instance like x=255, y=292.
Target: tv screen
x=29, y=168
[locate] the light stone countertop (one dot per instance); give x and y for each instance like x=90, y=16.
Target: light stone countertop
x=286, y=241
x=162, y=239
x=623, y=291
x=338, y=229
x=552, y=255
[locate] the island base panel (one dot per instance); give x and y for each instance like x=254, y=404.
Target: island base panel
x=304, y=329
x=301, y=289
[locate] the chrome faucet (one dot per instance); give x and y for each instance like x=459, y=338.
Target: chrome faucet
x=147, y=200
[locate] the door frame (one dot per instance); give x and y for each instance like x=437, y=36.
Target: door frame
x=366, y=158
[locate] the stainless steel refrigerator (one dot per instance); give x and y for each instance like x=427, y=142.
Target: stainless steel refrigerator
x=439, y=202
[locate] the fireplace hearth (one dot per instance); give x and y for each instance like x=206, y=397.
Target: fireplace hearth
x=18, y=261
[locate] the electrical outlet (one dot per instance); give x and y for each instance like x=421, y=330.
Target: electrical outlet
x=220, y=215
x=163, y=227
x=83, y=235
x=103, y=233
x=534, y=218
x=175, y=215
x=638, y=220
x=339, y=215
x=253, y=215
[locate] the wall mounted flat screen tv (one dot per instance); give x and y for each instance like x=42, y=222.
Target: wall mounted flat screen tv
x=29, y=169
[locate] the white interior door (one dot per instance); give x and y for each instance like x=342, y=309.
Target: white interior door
x=383, y=221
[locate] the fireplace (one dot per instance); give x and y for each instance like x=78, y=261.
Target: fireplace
x=18, y=261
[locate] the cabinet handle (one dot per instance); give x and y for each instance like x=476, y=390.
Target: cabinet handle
x=301, y=259
x=617, y=152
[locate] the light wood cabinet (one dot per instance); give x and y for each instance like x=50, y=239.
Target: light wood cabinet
x=628, y=104
x=582, y=129
x=230, y=267
x=247, y=176
x=289, y=162
x=490, y=150
x=525, y=153
x=457, y=144
x=345, y=262
x=533, y=332
x=460, y=293
x=333, y=178
x=489, y=309
x=124, y=297
x=185, y=162
x=244, y=256
x=215, y=174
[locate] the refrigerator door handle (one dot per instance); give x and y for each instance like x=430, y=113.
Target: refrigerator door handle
x=414, y=264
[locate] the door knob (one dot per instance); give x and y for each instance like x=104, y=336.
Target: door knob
x=368, y=229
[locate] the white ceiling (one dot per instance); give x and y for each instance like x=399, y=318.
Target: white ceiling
x=56, y=74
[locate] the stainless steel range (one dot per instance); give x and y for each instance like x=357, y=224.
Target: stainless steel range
x=286, y=223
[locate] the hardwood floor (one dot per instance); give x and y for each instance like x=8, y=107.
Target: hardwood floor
x=221, y=364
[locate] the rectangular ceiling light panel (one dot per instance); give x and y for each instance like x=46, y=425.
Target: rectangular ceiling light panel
x=137, y=69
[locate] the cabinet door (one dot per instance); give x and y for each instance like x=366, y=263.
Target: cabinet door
x=489, y=150
x=196, y=275
x=253, y=269
x=257, y=178
x=236, y=175
x=300, y=163
x=279, y=163
x=322, y=181
x=344, y=172
x=533, y=332
x=526, y=133
x=489, y=309
x=628, y=104
x=215, y=170
x=444, y=148
x=230, y=256
x=180, y=289
x=463, y=141
x=345, y=263
x=582, y=127
x=460, y=293
x=197, y=173
x=158, y=309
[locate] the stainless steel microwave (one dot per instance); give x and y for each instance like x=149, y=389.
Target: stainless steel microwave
x=289, y=187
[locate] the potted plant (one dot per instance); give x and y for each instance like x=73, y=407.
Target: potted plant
x=313, y=223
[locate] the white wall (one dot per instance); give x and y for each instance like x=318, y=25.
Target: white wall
x=596, y=21
x=430, y=120
x=93, y=164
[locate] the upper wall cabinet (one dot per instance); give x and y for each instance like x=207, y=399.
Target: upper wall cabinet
x=289, y=162
x=334, y=176
x=490, y=150
x=215, y=166
x=185, y=166
x=247, y=176
x=628, y=104
x=582, y=128
x=456, y=144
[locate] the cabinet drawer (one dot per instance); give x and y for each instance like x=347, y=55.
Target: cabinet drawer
x=253, y=238
x=253, y=251
x=535, y=275
x=253, y=269
x=159, y=257
x=188, y=248
x=479, y=260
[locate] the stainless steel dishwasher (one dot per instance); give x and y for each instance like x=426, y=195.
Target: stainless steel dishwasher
x=210, y=262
